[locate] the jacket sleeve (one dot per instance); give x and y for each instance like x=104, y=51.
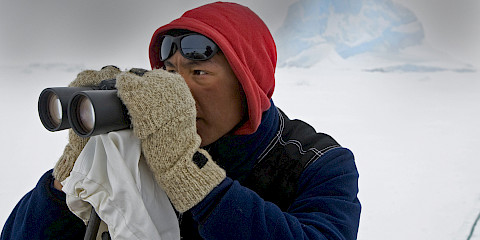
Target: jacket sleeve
x=43, y=214
x=326, y=206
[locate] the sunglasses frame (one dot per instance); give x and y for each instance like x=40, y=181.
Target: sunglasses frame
x=177, y=42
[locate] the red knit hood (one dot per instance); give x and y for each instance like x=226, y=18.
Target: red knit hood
x=245, y=41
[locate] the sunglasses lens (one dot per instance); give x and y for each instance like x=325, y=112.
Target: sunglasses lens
x=166, y=48
x=197, y=47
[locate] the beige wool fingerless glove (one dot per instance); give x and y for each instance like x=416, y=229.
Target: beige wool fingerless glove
x=76, y=144
x=163, y=116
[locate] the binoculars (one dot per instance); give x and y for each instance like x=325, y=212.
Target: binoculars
x=88, y=111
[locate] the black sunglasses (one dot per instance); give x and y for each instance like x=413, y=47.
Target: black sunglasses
x=192, y=46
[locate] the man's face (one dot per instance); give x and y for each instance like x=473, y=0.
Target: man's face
x=218, y=95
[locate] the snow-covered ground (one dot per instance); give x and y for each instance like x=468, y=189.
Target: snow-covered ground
x=415, y=137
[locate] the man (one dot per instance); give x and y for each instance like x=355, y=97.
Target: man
x=233, y=165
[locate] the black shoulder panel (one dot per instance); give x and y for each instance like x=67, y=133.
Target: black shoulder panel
x=276, y=174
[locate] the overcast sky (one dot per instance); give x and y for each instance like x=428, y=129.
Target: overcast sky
x=95, y=32
x=98, y=32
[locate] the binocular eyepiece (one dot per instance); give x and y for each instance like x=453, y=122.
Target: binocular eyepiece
x=88, y=111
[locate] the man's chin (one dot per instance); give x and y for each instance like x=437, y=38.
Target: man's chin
x=205, y=141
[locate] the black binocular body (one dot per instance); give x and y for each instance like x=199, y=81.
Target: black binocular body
x=88, y=111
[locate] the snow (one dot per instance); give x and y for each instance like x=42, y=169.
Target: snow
x=415, y=138
x=414, y=135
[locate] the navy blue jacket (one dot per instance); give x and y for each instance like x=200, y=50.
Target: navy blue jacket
x=325, y=204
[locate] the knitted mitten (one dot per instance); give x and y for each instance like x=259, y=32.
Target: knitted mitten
x=75, y=144
x=163, y=116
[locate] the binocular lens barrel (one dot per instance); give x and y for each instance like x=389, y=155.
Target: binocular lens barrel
x=88, y=111
x=95, y=112
x=85, y=113
x=52, y=107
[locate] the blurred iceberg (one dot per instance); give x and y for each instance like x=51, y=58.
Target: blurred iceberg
x=319, y=30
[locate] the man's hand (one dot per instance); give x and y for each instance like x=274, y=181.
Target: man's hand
x=163, y=116
x=57, y=185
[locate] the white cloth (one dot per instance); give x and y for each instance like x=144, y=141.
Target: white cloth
x=111, y=175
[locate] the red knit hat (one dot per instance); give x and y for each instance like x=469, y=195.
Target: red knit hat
x=245, y=41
